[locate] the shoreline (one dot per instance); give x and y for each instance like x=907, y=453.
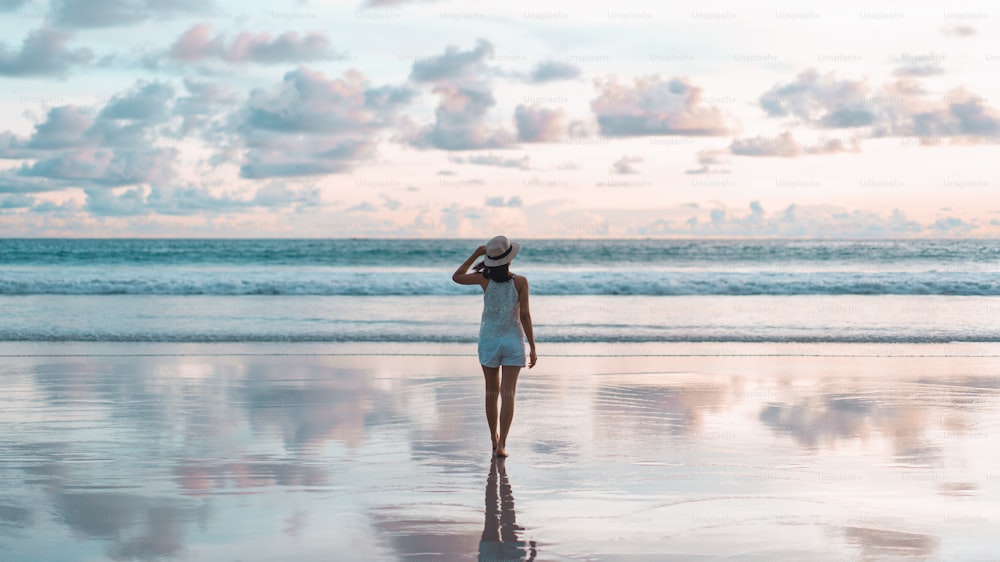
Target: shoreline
x=468, y=349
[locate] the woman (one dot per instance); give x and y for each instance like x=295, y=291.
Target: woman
x=505, y=324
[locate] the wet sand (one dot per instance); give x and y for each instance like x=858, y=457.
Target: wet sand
x=381, y=452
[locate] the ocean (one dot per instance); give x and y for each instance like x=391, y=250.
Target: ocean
x=374, y=290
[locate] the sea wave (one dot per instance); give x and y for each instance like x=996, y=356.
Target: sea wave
x=381, y=283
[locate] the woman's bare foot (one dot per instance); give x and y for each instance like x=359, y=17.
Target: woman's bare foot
x=500, y=451
x=495, y=437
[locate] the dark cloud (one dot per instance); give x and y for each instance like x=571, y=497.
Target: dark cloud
x=811, y=92
x=307, y=102
x=961, y=114
x=624, y=165
x=205, y=104
x=16, y=201
x=654, y=106
x=198, y=43
x=147, y=102
x=63, y=128
x=899, y=108
x=43, y=53
x=453, y=64
x=108, y=167
x=309, y=125
x=111, y=13
x=522, y=163
x=550, y=71
x=88, y=147
x=539, y=124
x=460, y=122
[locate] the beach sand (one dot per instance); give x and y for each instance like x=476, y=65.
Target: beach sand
x=381, y=452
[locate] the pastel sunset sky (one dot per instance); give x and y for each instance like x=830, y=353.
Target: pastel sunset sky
x=396, y=118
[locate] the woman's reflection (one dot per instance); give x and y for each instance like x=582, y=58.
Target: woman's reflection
x=499, y=541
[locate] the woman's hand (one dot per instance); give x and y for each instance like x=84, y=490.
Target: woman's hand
x=532, y=358
x=480, y=251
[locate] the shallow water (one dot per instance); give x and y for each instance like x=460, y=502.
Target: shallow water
x=135, y=452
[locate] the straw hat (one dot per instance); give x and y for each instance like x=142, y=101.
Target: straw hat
x=500, y=251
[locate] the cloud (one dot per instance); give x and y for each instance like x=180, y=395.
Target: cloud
x=309, y=124
x=16, y=201
x=919, y=66
x=189, y=200
x=538, y=124
x=499, y=202
x=198, y=43
x=953, y=225
x=899, y=108
x=454, y=64
x=87, y=147
x=814, y=98
x=785, y=145
x=11, y=5
x=43, y=53
x=461, y=80
x=103, y=166
x=522, y=163
x=958, y=30
x=793, y=221
x=624, y=165
x=111, y=13
x=148, y=103
x=654, y=106
x=63, y=127
x=303, y=156
x=550, y=71
x=712, y=161
x=205, y=104
x=460, y=122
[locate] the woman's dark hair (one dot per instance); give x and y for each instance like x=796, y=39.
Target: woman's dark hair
x=500, y=273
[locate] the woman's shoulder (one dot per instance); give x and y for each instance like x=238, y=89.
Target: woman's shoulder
x=519, y=280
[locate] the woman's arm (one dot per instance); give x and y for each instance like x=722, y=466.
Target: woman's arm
x=462, y=277
x=529, y=330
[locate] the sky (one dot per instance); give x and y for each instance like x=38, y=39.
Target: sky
x=424, y=118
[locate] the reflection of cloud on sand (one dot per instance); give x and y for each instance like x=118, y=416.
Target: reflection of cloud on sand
x=309, y=405
x=110, y=516
x=418, y=537
x=643, y=410
x=880, y=543
x=199, y=477
x=904, y=412
x=15, y=516
x=858, y=414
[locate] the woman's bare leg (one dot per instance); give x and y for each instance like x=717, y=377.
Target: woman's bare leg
x=507, y=388
x=492, y=375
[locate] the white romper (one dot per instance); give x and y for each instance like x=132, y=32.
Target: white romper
x=501, y=336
